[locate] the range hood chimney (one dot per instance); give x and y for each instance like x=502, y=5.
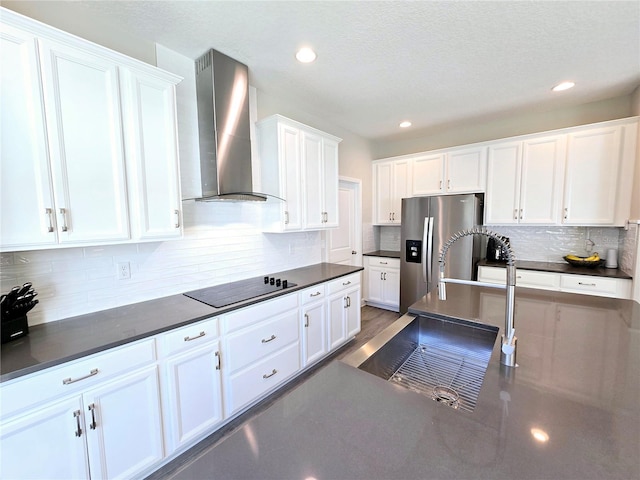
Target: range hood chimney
x=222, y=90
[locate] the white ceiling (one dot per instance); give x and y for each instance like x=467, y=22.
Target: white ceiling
x=432, y=62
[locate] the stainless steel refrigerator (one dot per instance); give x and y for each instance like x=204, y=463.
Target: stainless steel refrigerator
x=427, y=223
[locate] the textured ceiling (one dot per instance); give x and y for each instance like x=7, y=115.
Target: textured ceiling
x=382, y=62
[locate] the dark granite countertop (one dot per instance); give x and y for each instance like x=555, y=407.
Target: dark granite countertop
x=561, y=268
x=577, y=382
x=57, y=342
x=383, y=253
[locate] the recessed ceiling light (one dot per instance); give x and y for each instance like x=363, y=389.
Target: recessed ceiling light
x=563, y=86
x=405, y=124
x=306, y=55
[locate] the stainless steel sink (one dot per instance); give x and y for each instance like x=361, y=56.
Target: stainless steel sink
x=445, y=359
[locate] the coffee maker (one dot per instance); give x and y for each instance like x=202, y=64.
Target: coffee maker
x=495, y=251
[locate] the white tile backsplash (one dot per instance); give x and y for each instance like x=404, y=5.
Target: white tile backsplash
x=550, y=244
x=541, y=244
x=390, y=238
x=223, y=242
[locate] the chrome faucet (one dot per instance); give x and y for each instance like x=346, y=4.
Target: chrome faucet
x=509, y=340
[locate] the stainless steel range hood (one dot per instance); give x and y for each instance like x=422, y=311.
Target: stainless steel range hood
x=222, y=90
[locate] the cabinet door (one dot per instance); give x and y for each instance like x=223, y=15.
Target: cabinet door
x=401, y=188
x=330, y=175
x=466, y=170
x=375, y=282
x=314, y=333
x=25, y=181
x=48, y=443
x=593, y=160
x=542, y=179
x=85, y=133
x=337, y=324
x=151, y=141
x=352, y=313
x=313, y=172
x=392, y=287
x=503, y=183
x=382, y=173
x=428, y=175
x=194, y=395
x=124, y=428
x=289, y=150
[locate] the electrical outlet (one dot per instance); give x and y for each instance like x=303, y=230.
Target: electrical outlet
x=124, y=270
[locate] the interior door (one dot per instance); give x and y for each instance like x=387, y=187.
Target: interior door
x=344, y=242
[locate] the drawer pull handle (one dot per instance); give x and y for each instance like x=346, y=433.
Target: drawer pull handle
x=383, y=263
x=267, y=375
x=218, y=358
x=315, y=294
x=76, y=415
x=349, y=300
x=270, y=339
x=92, y=409
x=587, y=284
x=63, y=214
x=69, y=380
x=188, y=339
x=346, y=283
x=49, y=213
x=306, y=320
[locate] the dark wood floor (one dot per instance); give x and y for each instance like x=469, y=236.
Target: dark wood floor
x=374, y=320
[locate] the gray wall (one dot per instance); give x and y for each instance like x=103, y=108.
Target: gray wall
x=479, y=130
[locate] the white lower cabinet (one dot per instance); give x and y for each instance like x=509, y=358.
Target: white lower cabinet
x=46, y=443
x=111, y=431
x=560, y=282
x=383, y=282
x=315, y=344
x=124, y=426
x=191, y=383
x=344, y=310
x=122, y=412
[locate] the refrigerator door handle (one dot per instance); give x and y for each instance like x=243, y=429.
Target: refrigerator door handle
x=427, y=249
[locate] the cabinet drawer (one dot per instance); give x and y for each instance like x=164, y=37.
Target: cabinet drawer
x=312, y=294
x=71, y=377
x=253, y=382
x=246, y=316
x=607, y=287
x=341, y=283
x=524, y=278
x=384, y=262
x=260, y=340
x=191, y=336
x=534, y=279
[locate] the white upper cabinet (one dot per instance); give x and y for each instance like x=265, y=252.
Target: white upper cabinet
x=466, y=170
x=599, y=173
x=524, y=181
x=449, y=172
x=26, y=194
x=391, y=183
x=82, y=101
x=152, y=153
x=91, y=134
x=299, y=164
x=428, y=174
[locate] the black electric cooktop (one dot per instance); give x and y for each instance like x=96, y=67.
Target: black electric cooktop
x=234, y=292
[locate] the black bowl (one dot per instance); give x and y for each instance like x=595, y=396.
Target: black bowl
x=585, y=263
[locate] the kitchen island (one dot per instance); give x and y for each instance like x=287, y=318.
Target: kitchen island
x=570, y=410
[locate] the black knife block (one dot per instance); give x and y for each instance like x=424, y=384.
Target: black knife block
x=13, y=329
